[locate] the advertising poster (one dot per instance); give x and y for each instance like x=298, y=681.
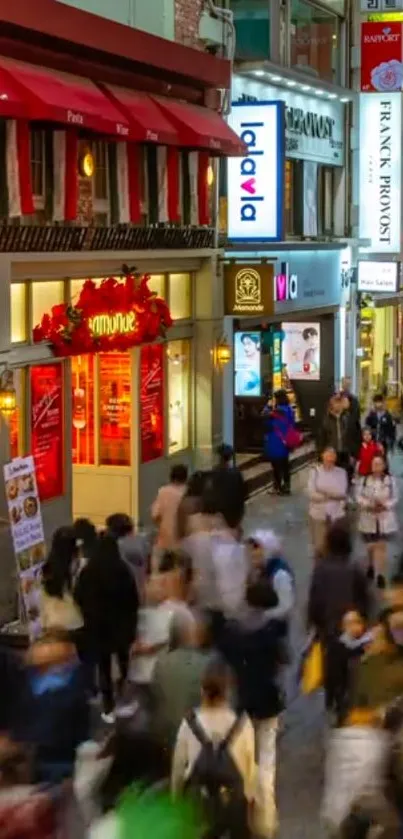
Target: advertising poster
x=47, y=444
x=381, y=57
x=277, y=361
x=248, y=379
x=301, y=350
x=152, y=402
x=114, y=409
x=24, y=511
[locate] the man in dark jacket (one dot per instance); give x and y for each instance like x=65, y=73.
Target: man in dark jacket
x=341, y=431
x=229, y=487
x=355, y=409
x=380, y=421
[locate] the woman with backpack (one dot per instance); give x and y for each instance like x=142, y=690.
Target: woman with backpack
x=280, y=437
x=214, y=758
x=377, y=498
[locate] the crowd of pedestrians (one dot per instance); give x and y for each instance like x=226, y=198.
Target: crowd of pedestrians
x=153, y=699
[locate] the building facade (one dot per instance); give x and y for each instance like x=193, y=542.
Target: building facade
x=108, y=172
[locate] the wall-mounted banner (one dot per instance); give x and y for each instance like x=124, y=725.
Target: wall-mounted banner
x=381, y=56
x=256, y=182
x=381, y=5
x=377, y=277
x=380, y=171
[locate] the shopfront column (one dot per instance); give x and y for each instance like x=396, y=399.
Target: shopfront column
x=208, y=377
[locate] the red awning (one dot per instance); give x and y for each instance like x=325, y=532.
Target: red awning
x=60, y=97
x=202, y=128
x=11, y=101
x=148, y=123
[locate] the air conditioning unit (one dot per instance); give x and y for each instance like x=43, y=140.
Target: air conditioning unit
x=211, y=30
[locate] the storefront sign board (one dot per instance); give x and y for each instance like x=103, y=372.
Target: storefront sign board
x=381, y=5
x=380, y=171
x=24, y=511
x=151, y=402
x=256, y=182
x=314, y=128
x=248, y=289
x=381, y=57
x=47, y=425
x=379, y=277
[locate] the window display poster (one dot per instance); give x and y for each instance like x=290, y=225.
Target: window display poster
x=151, y=402
x=47, y=444
x=277, y=361
x=301, y=350
x=114, y=408
x=248, y=379
x=24, y=511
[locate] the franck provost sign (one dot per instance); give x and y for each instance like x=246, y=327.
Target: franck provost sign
x=380, y=171
x=314, y=128
x=256, y=182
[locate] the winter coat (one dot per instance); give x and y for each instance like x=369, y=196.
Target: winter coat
x=337, y=587
x=367, y=453
x=229, y=489
x=382, y=427
x=276, y=426
x=321, y=483
x=341, y=432
x=109, y=602
x=253, y=647
x=384, y=490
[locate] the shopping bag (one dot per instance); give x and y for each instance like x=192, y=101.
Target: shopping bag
x=355, y=765
x=312, y=674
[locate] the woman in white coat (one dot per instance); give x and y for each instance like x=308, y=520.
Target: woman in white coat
x=377, y=498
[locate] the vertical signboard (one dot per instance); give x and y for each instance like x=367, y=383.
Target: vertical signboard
x=381, y=57
x=151, y=402
x=380, y=170
x=47, y=443
x=256, y=182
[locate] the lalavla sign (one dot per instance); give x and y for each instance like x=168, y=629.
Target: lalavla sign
x=314, y=127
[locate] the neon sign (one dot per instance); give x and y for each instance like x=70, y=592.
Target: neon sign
x=119, y=323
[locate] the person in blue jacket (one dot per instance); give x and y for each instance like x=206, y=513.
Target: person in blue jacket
x=277, y=423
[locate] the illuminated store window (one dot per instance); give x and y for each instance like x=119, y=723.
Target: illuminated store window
x=82, y=381
x=44, y=296
x=157, y=283
x=180, y=297
x=178, y=353
x=16, y=428
x=18, y=305
x=114, y=409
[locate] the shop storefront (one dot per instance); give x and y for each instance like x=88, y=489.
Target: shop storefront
x=379, y=338
x=297, y=345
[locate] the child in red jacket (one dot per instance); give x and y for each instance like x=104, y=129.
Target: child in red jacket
x=369, y=449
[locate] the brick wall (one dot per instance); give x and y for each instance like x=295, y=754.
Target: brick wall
x=187, y=17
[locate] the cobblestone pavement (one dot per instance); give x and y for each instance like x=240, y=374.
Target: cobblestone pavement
x=301, y=746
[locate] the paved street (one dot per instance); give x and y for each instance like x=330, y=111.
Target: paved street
x=301, y=744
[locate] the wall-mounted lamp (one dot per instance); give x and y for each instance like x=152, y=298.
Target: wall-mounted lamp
x=86, y=164
x=210, y=175
x=8, y=396
x=223, y=351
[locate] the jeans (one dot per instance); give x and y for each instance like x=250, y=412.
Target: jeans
x=281, y=470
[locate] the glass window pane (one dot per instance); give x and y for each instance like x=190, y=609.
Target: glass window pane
x=44, y=297
x=314, y=40
x=157, y=283
x=179, y=395
x=82, y=376
x=16, y=420
x=180, y=305
x=252, y=26
x=114, y=409
x=18, y=312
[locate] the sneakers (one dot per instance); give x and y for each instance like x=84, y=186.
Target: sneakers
x=108, y=719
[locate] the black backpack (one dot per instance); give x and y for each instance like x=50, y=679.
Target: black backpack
x=217, y=783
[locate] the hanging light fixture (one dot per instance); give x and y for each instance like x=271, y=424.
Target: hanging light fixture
x=223, y=351
x=8, y=396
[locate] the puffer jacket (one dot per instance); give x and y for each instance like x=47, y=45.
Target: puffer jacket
x=276, y=426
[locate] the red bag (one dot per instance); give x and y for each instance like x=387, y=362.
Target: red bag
x=293, y=438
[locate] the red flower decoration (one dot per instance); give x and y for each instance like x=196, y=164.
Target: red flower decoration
x=67, y=328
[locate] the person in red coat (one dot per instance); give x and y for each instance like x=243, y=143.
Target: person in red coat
x=369, y=450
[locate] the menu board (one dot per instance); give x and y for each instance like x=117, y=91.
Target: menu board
x=47, y=443
x=152, y=402
x=114, y=409
x=24, y=511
